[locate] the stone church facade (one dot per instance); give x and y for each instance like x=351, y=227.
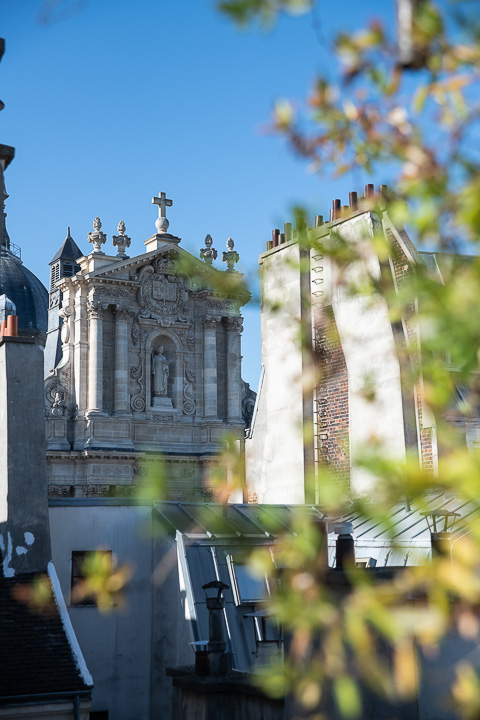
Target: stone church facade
x=145, y=359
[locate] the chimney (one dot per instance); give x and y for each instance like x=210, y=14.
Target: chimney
x=345, y=546
x=288, y=232
x=440, y=523
x=220, y=661
x=24, y=524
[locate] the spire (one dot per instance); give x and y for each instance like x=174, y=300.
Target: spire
x=6, y=156
x=68, y=250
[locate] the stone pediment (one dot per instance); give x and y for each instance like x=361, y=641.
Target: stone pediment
x=170, y=259
x=148, y=269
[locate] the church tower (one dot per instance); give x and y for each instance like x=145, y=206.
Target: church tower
x=63, y=264
x=150, y=363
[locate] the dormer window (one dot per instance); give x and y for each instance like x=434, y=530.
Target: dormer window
x=248, y=589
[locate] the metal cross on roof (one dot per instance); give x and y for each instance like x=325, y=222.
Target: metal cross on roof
x=163, y=202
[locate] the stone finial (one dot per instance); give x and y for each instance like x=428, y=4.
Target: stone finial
x=121, y=241
x=231, y=256
x=97, y=238
x=208, y=253
x=161, y=223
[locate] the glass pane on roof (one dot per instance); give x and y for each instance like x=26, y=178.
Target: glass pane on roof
x=242, y=521
x=275, y=519
x=177, y=517
x=215, y=519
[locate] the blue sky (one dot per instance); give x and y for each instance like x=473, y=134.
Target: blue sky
x=121, y=100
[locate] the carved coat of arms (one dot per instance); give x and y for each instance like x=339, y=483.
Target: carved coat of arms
x=161, y=296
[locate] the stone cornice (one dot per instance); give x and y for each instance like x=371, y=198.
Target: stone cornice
x=99, y=281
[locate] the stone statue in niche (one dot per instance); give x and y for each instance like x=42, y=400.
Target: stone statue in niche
x=59, y=404
x=161, y=371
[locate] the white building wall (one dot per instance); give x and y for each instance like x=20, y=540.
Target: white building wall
x=275, y=452
x=117, y=642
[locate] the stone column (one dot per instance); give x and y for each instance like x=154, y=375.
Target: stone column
x=81, y=349
x=120, y=397
x=95, y=357
x=210, y=408
x=234, y=368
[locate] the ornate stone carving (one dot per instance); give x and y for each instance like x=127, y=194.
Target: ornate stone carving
x=97, y=490
x=167, y=262
x=187, y=337
x=137, y=400
x=95, y=309
x=162, y=296
x=121, y=241
x=163, y=417
x=199, y=279
x=60, y=490
x=57, y=395
x=223, y=306
x=208, y=253
x=59, y=405
x=66, y=310
x=231, y=256
x=234, y=324
x=135, y=332
x=54, y=298
x=121, y=313
x=189, y=406
x=210, y=321
x=190, y=339
x=97, y=238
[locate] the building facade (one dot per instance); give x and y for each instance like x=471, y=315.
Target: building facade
x=336, y=367
x=149, y=363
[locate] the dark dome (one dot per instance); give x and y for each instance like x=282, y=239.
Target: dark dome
x=28, y=294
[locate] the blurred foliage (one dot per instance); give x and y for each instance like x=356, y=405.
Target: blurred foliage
x=406, y=106
x=37, y=595
x=103, y=581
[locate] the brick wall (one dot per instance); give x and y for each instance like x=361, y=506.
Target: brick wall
x=402, y=270
x=332, y=398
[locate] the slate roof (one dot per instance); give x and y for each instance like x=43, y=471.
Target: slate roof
x=35, y=654
x=27, y=292
x=68, y=250
x=213, y=540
